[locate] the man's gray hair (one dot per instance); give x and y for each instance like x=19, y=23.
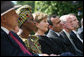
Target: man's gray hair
x=63, y=18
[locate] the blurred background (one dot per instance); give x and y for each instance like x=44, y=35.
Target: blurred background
x=55, y=7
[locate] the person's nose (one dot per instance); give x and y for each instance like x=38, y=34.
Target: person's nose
x=77, y=21
x=60, y=24
x=47, y=23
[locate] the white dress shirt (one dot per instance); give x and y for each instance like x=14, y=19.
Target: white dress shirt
x=57, y=33
x=67, y=34
x=5, y=30
x=20, y=31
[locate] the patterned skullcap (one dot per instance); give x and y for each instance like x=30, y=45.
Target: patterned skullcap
x=24, y=13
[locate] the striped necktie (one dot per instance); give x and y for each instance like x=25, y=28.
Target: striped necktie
x=20, y=44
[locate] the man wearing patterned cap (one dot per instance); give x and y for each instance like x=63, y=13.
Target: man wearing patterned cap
x=27, y=24
x=24, y=13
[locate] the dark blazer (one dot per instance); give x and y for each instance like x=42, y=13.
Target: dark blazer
x=59, y=40
x=68, y=45
x=9, y=47
x=49, y=46
x=81, y=35
x=76, y=41
x=52, y=34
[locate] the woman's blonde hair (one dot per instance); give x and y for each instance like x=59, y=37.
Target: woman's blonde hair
x=39, y=16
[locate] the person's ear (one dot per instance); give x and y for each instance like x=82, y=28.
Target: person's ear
x=3, y=19
x=37, y=24
x=50, y=27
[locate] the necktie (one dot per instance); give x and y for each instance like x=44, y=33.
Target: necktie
x=20, y=44
x=79, y=37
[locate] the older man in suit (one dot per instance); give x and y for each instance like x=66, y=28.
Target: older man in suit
x=67, y=22
x=75, y=36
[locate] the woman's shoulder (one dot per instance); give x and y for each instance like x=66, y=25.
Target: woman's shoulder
x=33, y=37
x=43, y=38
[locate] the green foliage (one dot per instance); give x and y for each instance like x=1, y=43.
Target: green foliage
x=59, y=7
x=55, y=7
x=31, y=3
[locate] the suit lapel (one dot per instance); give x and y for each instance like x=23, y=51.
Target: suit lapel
x=76, y=41
x=9, y=38
x=14, y=34
x=65, y=38
x=12, y=41
x=52, y=34
x=74, y=37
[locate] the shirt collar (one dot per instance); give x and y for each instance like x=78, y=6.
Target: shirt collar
x=20, y=31
x=82, y=27
x=55, y=32
x=74, y=31
x=6, y=30
x=66, y=33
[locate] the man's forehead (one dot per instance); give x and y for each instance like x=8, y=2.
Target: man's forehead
x=55, y=19
x=74, y=17
x=10, y=12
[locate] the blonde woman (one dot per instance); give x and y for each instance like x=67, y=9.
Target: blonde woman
x=41, y=23
x=47, y=45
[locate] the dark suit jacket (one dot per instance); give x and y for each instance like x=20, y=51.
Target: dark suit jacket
x=9, y=47
x=52, y=34
x=68, y=45
x=81, y=35
x=59, y=40
x=49, y=46
x=76, y=41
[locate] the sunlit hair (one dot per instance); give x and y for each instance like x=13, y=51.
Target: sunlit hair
x=50, y=17
x=63, y=18
x=72, y=14
x=39, y=16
